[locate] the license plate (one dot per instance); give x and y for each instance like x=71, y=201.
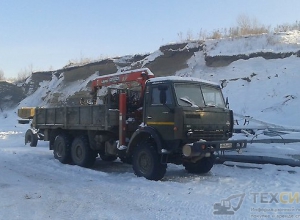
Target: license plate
x=226, y=145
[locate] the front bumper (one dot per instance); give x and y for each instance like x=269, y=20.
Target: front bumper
x=201, y=147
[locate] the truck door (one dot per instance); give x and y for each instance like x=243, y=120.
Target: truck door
x=160, y=110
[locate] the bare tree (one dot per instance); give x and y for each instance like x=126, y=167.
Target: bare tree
x=189, y=35
x=216, y=34
x=24, y=73
x=180, y=35
x=247, y=25
x=244, y=24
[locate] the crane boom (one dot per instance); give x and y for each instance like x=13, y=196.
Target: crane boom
x=138, y=75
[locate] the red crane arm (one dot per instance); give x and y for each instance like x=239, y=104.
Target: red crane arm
x=137, y=75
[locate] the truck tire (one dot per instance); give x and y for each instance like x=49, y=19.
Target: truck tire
x=82, y=154
x=146, y=162
x=62, y=148
x=202, y=166
x=31, y=138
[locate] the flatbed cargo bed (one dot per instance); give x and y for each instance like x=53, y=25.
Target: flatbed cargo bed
x=90, y=117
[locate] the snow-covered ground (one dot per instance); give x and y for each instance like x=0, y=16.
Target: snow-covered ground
x=33, y=185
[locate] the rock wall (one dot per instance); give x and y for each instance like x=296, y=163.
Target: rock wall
x=10, y=96
x=167, y=60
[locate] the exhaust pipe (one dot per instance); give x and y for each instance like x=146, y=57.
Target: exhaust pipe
x=189, y=150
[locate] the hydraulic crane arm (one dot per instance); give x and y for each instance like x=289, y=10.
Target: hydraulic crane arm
x=138, y=75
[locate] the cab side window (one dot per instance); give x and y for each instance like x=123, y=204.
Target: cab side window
x=161, y=96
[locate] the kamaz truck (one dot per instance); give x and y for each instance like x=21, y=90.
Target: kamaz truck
x=143, y=120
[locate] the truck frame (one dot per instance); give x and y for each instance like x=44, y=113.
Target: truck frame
x=143, y=120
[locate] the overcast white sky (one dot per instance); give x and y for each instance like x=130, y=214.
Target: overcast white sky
x=44, y=34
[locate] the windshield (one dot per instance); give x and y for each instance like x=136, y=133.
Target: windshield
x=188, y=94
x=213, y=96
x=194, y=95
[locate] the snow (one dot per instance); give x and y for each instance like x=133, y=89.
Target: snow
x=152, y=57
x=36, y=186
x=180, y=78
x=277, y=42
x=129, y=71
x=33, y=185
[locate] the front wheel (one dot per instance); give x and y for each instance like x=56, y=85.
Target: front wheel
x=31, y=138
x=146, y=162
x=82, y=154
x=201, y=166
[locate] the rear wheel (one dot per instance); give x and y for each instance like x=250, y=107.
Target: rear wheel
x=146, y=162
x=62, y=148
x=82, y=155
x=201, y=166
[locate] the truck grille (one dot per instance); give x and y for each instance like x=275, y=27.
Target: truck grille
x=208, y=135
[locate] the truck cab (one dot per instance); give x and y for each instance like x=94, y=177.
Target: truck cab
x=187, y=110
x=185, y=120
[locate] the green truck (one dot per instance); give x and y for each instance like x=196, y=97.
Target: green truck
x=143, y=120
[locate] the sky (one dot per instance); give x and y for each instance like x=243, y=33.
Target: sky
x=41, y=35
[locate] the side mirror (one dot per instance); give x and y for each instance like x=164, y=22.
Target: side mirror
x=227, y=103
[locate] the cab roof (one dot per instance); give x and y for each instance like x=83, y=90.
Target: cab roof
x=181, y=79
